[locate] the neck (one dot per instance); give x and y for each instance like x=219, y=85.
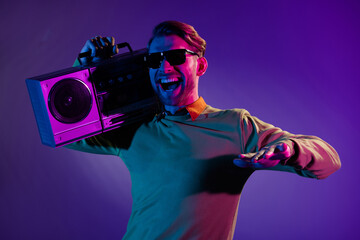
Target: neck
x=173, y=109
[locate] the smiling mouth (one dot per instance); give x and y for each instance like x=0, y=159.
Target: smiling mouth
x=170, y=84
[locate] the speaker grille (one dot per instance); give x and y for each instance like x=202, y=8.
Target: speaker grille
x=70, y=100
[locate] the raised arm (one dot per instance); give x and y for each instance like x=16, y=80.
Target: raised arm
x=111, y=142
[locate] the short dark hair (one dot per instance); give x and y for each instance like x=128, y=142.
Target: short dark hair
x=183, y=30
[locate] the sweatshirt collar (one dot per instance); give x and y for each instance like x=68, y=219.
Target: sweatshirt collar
x=196, y=108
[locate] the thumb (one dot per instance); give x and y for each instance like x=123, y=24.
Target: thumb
x=241, y=163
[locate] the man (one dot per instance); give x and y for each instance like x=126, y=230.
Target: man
x=189, y=164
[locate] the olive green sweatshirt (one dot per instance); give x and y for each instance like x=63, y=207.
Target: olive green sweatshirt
x=184, y=182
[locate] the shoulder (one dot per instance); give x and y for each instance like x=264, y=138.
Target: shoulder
x=211, y=111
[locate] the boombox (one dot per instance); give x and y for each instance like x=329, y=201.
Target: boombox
x=79, y=102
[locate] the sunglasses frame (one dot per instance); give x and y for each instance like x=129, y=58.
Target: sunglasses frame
x=163, y=55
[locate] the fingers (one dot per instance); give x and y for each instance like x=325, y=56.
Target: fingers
x=110, y=40
x=247, y=156
x=264, y=153
x=277, y=152
x=265, y=157
x=255, y=164
x=100, y=43
x=115, y=47
x=249, y=160
x=280, y=152
x=99, y=48
x=89, y=46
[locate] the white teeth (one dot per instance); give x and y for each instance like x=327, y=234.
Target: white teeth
x=167, y=80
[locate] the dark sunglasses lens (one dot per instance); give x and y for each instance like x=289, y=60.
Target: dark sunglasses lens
x=153, y=60
x=175, y=57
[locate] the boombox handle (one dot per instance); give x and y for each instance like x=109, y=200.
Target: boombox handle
x=119, y=45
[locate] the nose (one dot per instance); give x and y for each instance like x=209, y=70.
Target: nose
x=165, y=66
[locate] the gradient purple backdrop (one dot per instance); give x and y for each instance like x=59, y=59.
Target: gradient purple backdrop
x=294, y=64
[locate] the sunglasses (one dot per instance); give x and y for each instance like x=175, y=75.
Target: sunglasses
x=174, y=57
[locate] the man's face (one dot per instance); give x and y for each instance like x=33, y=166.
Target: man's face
x=175, y=85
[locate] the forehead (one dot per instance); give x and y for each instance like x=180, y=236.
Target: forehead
x=164, y=43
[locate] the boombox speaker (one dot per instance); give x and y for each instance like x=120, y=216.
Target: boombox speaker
x=79, y=102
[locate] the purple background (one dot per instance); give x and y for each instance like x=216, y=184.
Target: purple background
x=294, y=64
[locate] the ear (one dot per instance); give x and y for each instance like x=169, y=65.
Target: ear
x=202, y=66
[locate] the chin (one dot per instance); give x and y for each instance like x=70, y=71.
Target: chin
x=169, y=102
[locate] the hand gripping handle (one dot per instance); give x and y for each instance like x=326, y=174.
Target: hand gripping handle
x=119, y=45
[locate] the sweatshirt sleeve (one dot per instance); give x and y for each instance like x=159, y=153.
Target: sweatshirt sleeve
x=108, y=143
x=97, y=144
x=312, y=157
